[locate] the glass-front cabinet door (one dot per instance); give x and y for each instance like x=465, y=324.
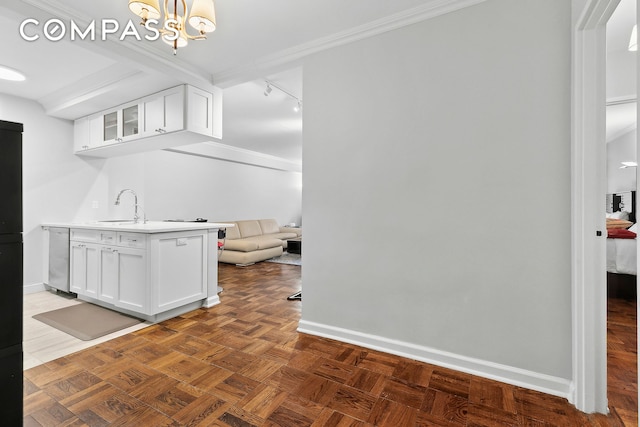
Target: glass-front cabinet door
x=120, y=125
x=110, y=130
x=130, y=123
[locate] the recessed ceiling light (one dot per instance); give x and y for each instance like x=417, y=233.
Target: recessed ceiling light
x=7, y=73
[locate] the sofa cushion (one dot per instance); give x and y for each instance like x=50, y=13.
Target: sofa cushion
x=264, y=242
x=296, y=230
x=269, y=226
x=232, y=232
x=241, y=245
x=244, y=258
x=254, y=243
x=283, y=236
x=249, y=228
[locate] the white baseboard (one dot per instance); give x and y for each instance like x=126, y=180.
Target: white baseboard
x=211, y=301
x=507, y=374
x=32, y=289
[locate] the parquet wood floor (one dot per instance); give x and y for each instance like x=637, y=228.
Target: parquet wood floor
x=243, y=364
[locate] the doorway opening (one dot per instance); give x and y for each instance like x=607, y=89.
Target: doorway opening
x=589, y=184
x=621, y=185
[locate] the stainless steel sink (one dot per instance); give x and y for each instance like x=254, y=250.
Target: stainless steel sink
x=120, y=221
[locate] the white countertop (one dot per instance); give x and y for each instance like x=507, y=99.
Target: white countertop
x=148, y=227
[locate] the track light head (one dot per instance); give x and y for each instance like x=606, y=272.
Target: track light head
x=270, y=85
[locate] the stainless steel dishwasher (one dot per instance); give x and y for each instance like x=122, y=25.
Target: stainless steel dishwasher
x=58, y=276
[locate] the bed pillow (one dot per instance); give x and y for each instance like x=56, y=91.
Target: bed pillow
x=618, y=223
x=618, y=215
x=620, y=233
x=634, y=228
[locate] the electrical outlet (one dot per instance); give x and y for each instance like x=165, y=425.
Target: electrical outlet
x=95, y=204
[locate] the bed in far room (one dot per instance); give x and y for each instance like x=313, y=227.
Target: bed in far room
x=621, y=245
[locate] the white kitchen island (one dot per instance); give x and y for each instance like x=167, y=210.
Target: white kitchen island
x=154, y=270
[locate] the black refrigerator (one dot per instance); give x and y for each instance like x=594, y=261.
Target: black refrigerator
x=11, y=273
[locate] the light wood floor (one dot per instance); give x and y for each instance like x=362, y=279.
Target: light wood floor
x=43, y=343
x=242, y=363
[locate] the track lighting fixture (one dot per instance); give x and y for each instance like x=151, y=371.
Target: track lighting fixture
x=270, y=85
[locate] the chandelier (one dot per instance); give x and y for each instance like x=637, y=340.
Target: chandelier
x=202, y=17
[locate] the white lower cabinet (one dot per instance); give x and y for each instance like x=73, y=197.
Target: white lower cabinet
x=123, y=280
x=179, y=272
x=84, y=268
x=108, y=274
x=132, y=286
x=145, y=274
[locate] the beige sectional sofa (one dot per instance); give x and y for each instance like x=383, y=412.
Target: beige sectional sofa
x=251, y=241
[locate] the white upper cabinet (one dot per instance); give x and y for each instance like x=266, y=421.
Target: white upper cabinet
x=164, y=112
x=114, y=127
x=200, y=108
x=177, y=116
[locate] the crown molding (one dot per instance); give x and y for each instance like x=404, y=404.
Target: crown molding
x=294, y=55
x=617, y=100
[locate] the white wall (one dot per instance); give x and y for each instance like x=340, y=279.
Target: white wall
x=179, y=186
x=437, y=192
x=221, y=190
x=61, y=187
x=54, y=181
x=621, y=75
x=621, y=149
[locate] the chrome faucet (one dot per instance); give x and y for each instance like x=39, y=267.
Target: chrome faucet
x=136, y=217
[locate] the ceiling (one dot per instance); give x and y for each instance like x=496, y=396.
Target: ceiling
x=256, y=40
